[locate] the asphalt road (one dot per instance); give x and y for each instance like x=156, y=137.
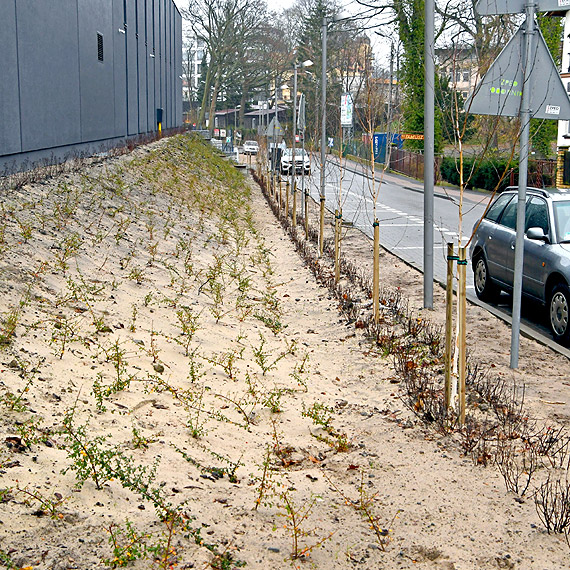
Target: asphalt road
x=399, y=209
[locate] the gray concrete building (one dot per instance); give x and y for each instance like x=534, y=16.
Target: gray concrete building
x=78, y=75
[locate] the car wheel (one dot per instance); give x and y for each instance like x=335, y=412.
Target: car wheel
x=559, y=307
x=485, y=289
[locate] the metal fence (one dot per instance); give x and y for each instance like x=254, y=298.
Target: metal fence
x=407, y=162
x=541, y=174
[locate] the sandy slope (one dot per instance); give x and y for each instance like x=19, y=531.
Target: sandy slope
x=107, y=263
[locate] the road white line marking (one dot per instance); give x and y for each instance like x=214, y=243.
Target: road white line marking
x=386, y=225
x=415, y=246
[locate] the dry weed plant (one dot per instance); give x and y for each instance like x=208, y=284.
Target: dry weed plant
x=498, y=429
x=144, y=216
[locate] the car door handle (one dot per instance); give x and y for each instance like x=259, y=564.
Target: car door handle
x=512, y=246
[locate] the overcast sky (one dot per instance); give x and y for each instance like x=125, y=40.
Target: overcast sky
x=273, y=5
x=381, y=48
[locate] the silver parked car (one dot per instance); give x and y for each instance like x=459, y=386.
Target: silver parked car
x=546, y=272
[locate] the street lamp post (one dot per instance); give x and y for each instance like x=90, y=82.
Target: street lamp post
x=306, y=63
x=323, y=134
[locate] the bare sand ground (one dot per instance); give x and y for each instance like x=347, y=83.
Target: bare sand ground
x=175, y=379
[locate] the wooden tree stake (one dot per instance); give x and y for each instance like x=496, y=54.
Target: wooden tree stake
x=306, y=215
x=294, y=202
x=376, y=273
x=449, y=323
x=337, y=230
x=322, y=227
x=462, y=273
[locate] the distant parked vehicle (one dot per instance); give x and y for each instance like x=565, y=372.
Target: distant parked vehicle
x=546, y=271
x=302, y=161
x=250, y=147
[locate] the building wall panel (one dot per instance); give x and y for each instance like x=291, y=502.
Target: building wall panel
x=120, y=61
x=96, y=78
x=151, y=65
x=157, y=58
x=169, y=70
x=142, y=56
x=10, y=139
x=132, y=80
x=178, y=67
x=48, y=59
x=163, y=82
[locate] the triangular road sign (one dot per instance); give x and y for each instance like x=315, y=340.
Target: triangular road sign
x=500, y=90
x=274, y=129
x=491, y=7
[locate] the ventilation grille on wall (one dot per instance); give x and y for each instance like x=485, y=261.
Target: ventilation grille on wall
x=99, y=46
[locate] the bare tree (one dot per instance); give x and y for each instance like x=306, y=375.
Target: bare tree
x=219, y=24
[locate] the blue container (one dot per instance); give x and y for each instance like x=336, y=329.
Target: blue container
x=380, y=145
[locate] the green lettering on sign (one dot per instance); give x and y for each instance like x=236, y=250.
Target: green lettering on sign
x=501, y=91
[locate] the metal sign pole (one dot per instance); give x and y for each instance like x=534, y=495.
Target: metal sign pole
x=429, y=146
x=525, y=114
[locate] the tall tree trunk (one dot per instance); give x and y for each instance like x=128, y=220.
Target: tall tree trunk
x=213, y=101
x=205, y=98
x=244, y=94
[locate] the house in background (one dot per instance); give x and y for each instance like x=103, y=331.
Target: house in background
x=459, y=64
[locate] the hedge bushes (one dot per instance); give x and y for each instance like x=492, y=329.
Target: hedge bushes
x=486, y=174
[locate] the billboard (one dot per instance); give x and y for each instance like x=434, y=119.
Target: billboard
x=346, y=108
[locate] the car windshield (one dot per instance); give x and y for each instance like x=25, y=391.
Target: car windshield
x=562, y=219
x=299, y=152
x=250, y=143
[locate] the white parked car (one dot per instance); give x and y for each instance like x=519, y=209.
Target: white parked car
x=250, y=147
x=302, y=161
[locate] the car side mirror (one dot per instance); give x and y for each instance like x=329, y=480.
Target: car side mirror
x=537, y=234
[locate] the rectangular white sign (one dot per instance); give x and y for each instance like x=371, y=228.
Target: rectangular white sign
x=552, y=110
